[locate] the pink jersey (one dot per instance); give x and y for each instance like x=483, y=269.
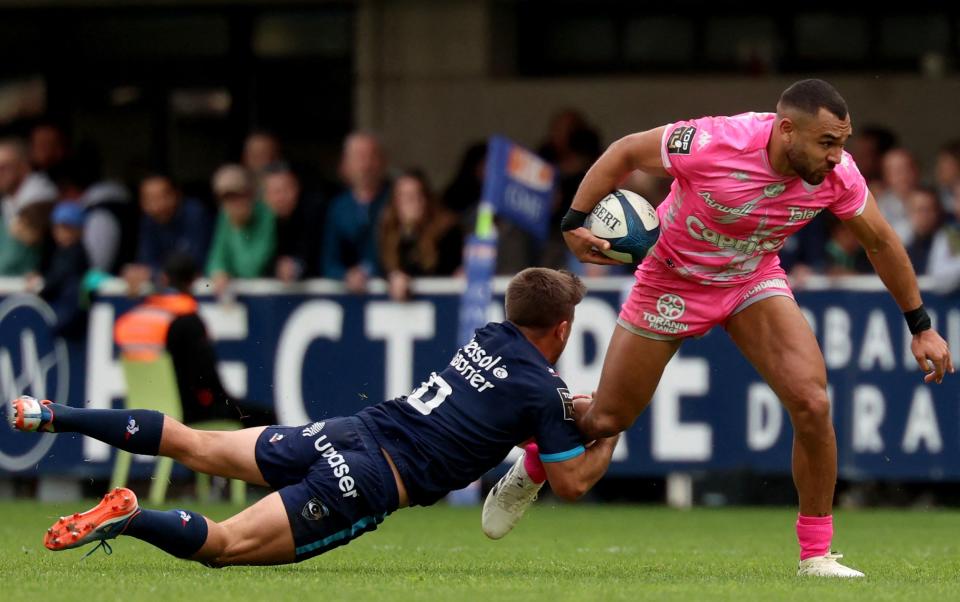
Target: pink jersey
x=728, y=211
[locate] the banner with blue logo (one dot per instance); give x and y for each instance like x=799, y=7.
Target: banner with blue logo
x=519, y=185
x=286, y=347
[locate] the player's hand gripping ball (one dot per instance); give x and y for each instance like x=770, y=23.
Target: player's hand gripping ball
x=628, y=222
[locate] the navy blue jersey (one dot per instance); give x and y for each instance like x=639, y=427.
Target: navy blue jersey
x=497, y=392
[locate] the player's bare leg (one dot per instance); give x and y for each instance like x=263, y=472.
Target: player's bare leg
x=775, y=337
x=229, y=454
x=259, y=535
x=631, y=372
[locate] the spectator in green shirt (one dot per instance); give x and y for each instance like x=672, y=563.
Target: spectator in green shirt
x=26, y=199
x=244, y=241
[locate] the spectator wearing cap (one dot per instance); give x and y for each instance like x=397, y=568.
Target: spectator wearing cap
x=26, y=198
x=110, y=226
x=244, y=241
x=63, y=279
x=350, y=250
x=169, y=224
x=299, y=219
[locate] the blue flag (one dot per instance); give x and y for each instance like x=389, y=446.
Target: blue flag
x=519, y=185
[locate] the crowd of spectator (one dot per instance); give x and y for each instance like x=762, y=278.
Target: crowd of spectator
x=65, y=228
x=925, y=213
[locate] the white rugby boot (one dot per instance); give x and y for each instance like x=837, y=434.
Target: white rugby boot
x=826, y=566
x=508, y=500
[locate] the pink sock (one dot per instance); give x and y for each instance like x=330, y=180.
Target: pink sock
x=532, y=463
x=814, y=534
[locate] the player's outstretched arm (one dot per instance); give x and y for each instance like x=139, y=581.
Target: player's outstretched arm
x=572, y=478
x=892, y=264
x=637, y=151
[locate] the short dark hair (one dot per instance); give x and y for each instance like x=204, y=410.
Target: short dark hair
x=543, y=297
x=811, y=95
x=180, y=270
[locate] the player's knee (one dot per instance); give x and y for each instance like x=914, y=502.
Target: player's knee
x=181, y=442
x=810, y=409
x=198, y=452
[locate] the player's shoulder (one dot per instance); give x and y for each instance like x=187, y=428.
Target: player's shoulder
x=718, y=134
x=499, y=334
x=523, y=366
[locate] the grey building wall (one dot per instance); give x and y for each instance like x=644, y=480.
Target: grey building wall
x=427, y=80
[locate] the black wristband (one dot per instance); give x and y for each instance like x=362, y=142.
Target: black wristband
x=918, y=320
x=573, y=219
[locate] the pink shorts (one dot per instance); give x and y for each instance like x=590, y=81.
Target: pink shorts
x=664, y=305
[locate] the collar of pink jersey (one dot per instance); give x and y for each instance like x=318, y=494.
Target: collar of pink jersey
x=761, y=140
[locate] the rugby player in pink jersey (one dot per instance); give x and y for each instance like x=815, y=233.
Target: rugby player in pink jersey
x=741, y=185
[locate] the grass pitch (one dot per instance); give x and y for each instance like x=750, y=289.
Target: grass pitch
x=559, y=552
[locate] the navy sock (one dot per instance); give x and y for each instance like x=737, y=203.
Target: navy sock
x=180, y=533
x=135, y=431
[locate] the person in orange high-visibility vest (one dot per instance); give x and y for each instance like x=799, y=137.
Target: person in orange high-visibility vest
x=169, y=321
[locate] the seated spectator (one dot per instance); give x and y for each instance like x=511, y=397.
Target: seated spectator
x=868, y=147
x=63, y=280
x=109, y=231
x=245, y=240
x=26, y=198
x=261, y=149
x=170, y=321
x=299, y=219
x=417, y=236
x=804, y=253
x=947, y=174
x=463, y=193
x=844, y=255
x=556, y=147
x=944, y=263
x=169, y=223
x=581, y=150
x=900, y=178
x=350, y=236
x=926, y=216
x=49, y=146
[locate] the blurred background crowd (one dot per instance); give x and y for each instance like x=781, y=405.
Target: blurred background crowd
x=66, y=226
x=224, y=132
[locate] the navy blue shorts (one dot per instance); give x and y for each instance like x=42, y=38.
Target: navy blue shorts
x=333, y=479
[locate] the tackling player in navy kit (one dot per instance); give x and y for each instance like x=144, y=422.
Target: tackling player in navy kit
x=339, y=478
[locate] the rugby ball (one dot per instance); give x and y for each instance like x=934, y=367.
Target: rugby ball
x=628, y=222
